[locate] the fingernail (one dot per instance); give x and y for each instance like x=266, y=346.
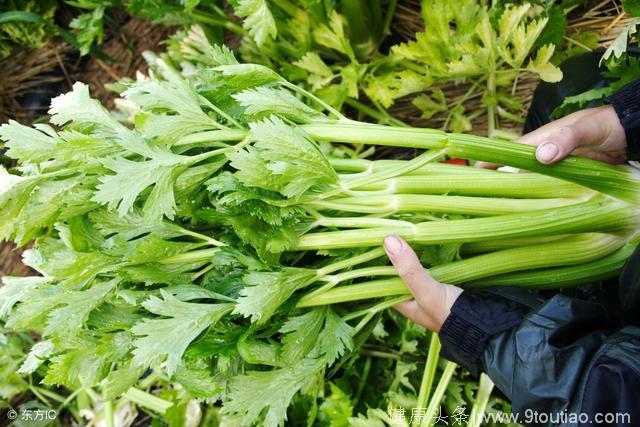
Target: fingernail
x=393, y=245
x=547, y=152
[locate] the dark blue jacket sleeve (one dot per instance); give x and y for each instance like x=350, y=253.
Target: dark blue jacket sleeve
x=626, y=103
x=562, y=355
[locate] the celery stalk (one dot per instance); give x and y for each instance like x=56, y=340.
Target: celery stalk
x=475, y=206
x=516, y=185
x=573, y=250
x=618, y=181
x=496, y=245
x=599, y=214
x=605, y=268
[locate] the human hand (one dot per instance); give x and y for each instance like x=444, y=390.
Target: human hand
x=432, y=300
x=594, y=132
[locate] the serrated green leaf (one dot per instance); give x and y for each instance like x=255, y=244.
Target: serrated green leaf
x=555, y=29
x=14, y=194
x=53, y=258
x=258, y=21
x=301, y=335
x=75, y=309
x=90, y=28
x=389, y=87
x=542, y=65
x=319, y=73
x=242, y=76
x=282, y=160
x=37, y=355
x=121, y=190
x=16, y=289
x=619, y=45
x=77, y=107
x=27, y=144
x=120, y=380
x=336, y=408
x=262, y=102
x=36, y=303
x=333, y=35
x=199, y=382
x=266, y=291
x=252, y=393
x=77, y=368
x=168, y=337
x=336, y=337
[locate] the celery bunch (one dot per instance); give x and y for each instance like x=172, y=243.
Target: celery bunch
x=229, y=240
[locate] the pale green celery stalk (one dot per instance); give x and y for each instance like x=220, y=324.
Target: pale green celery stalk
x=383, y=270
x=411, y=165
x=192, y=256
x=345, y=187
x=496, y=245
x=363, y=165
x=352, y=132
x=217, y=21
x=350, y=262
x=618, y=181
x=570, y=251
x=573, y=250
x=368, y=312
x=357, y=222
x=607, y=267
x=485, y=387
x=474, y=206
x=516, y=185
x=438, y=394
x=108, y=413
x=429, y=372
x=333, y=280
x=381, y=116
x=372, y=311
x=212, y=138
x=324, y=273
x=148, y=401
x=598, y=214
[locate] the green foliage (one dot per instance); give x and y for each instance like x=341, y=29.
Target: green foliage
x=170, y=337
x=258, y=21
x=487, y=47
x=621, y=68
x=23, y=32
x=271, y=391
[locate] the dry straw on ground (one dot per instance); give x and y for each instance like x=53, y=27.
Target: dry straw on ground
x=30, y=72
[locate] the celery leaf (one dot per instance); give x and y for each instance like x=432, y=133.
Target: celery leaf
x=169, y=337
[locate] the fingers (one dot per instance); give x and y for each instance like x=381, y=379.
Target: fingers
x=487, y=165
x=433, y=300
x=555, y=141
x=404, y=259
x=412, y=311
x=595, y=130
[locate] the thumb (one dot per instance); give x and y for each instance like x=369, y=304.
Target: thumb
x=423, y=287
x=432, y=300
x=592, y=129
x=555, y=143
